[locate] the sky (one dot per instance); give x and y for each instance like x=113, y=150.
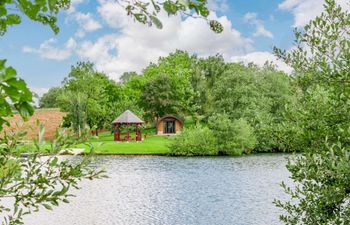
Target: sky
x=100, y=31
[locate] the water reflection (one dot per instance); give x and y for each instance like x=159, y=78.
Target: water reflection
x=165, y=190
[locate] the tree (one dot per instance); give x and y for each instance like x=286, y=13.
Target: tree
x=127, y=76
x=159, y=97
x=194, y=141
x=168, y=89
x=259, y=95
x=322, y=172
x=206, y=73
x=50, y=98
x=76, y=116
x=233, y=137
x=30, y=181
x=85, y=97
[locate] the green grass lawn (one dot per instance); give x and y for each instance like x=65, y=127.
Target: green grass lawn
x=152, y=145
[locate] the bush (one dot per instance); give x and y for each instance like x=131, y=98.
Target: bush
x=233, y=136
x=195, y=141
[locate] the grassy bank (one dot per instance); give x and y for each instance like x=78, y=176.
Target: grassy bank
x=152, y=145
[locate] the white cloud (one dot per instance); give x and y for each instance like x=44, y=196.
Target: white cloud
x=218, y=5
x=260, y=29
x=48, y=51
x=305, y=10
x=260, y=58
x=73, y=5
x=86, y=21
x=133, y=46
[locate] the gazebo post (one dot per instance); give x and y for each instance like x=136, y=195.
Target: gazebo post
x=116, y=132
x=127, y=138
x=138, y=132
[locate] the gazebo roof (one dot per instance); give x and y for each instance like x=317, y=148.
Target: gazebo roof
x=127, y=117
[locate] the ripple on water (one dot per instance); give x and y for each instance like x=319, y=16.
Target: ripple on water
x=184, y=191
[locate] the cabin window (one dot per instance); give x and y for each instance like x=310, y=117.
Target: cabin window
x=169, y=127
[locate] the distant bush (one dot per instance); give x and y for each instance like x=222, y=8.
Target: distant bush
x=233, y=137
x=195, y=141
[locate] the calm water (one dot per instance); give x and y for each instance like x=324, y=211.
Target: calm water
x=182, y=191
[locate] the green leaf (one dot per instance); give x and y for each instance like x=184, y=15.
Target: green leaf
x=140, y=17
x=10, y=72
x=12, y=93
x=156, y=22
x=54, y=161
x=17, y=83
x=170, y=7
x=25, y=109
x=47, y=206
x=2, y=63
x=12, y=19
x=3, y=11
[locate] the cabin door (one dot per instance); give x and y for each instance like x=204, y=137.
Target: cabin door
x=169, y=127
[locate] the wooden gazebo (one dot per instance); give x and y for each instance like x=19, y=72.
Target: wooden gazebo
x=127, y=118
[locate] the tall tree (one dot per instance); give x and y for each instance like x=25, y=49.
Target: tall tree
x=206, y=73
x=160, y=98
x=50, y=98
x=91, y=86
x=168, y=88
x=321, y=174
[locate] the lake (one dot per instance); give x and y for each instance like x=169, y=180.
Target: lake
x=176, y=191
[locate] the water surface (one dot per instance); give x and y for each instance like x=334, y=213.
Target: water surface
x=176, y=191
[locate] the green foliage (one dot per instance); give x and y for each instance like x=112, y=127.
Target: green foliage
x=257, y=95
x=205, y=73
x=322, y=193
x=127, y=76
x=233, y=137
x=44, y=12
x=76, y=116
x=146, y=12
x=194, y=141
x=159, y=97
x=36, y=180
x=167, y=89
x=50, y=98
x=321, y=173
x=86, y=95
x=13, y=91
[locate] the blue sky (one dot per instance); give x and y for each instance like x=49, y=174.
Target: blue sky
x=99, y=31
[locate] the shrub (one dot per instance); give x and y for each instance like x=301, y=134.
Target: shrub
x=233, y=136
x=195, y=141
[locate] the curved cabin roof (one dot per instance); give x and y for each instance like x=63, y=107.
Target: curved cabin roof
x=172, y=117
x=127, y=117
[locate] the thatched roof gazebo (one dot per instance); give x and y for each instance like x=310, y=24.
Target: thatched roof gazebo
x=127, y=118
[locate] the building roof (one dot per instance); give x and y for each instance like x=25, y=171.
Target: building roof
x=170, y=116
x=127, y=117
